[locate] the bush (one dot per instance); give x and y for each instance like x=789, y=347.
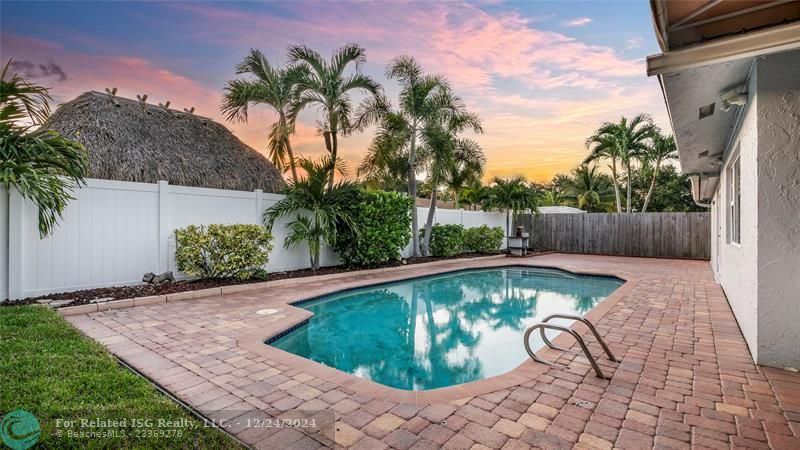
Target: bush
x=223, y=251
x=383, y=221
x=483, y=239
x=446, y=240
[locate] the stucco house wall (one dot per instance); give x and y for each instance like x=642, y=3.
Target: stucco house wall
x=761, y=274
x=779, y=210
x=737, y=266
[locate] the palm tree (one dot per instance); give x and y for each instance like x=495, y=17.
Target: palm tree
x=323, y=84
x=550, y=197
x=325, y=206
x=588, y=189
x=444, y=152
x=386, y=159
x=512, y=196
x=461, y=176
x=623, y=141
x=603, y=146
x=43, y=166
x=424, y=102
x=663, y=149
x=475, y=194
x=269, y=86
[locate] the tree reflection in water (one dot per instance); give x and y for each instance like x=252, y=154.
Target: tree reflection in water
x=441, y=330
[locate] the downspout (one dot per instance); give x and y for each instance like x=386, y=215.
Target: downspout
x=700, y=191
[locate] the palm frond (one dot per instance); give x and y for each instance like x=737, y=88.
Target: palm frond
x=20, y=99
x=343, y=56
x=404, y=69
x=301, y=54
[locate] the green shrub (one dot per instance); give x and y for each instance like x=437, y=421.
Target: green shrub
x=223, y=251
x=383, y=224
x=446, y=240
x=483, y=239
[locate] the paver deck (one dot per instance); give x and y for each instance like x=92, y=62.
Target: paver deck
x=686, y=378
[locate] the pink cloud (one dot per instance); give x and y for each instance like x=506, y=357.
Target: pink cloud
x=134, y=76
x=539, y=92
x=460, y=40
x=579, y=22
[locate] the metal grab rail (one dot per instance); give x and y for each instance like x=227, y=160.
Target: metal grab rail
x=586, y=322
x=544, y=325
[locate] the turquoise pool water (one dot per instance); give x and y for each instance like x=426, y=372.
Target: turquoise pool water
x=440, y=330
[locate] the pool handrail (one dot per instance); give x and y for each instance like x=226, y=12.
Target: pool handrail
x=543, y=325
x=586, y=322
x=578, y=338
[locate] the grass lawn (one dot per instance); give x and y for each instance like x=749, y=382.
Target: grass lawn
x=51, y=370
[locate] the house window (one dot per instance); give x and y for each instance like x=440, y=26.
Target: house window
x=734, y=201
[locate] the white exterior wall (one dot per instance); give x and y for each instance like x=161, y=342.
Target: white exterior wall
x=779, y=210
x=114, y=232
x=761, y=276
x=737, y=264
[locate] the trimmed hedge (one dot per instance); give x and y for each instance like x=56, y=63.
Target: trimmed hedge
x=223, y=251
x=383, y=223
x=446, y=240
x=483, y=239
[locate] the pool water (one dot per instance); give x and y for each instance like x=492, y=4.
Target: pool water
x=440, y=330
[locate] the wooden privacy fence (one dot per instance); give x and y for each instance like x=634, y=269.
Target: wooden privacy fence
x=668, y=235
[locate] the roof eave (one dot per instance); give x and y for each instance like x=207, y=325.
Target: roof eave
x=748, y=45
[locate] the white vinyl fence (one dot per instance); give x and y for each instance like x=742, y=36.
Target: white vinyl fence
x=115, y=231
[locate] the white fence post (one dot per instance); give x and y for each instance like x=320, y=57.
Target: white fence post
x=15, y=237
x=163, y=226
x=259, y=204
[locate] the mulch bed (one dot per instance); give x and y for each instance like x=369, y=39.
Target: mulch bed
x=145, y=290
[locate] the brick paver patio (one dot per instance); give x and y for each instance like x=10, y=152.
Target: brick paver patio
x=686, y=378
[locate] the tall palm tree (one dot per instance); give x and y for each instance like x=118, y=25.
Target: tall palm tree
x=443, y=153
x=325, y=207
x=269, y=86
x=588, y=189
x=663, y=149
x=43, y=166
x=603, y=146
x=512, y=196
x=323, y=84
x=424, y=102
x=624, y=142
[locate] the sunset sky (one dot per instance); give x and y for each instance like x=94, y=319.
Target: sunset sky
x=542, y=75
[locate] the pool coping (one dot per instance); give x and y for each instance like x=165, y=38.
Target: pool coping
x=256, y=342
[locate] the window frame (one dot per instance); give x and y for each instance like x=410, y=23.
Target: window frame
x=734, y=200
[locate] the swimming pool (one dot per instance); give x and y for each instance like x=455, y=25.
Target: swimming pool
x=440, y=330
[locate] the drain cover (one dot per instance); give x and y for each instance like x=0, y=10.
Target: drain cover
x=266, y=312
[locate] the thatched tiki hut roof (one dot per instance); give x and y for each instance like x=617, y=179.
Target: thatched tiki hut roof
x=128, y=140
